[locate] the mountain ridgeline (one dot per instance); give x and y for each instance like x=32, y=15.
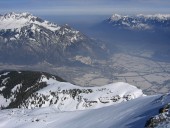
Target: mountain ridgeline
x=135, y=25
x=26, y=39
x=130, y=28
x=140, y=22
x=27, y=89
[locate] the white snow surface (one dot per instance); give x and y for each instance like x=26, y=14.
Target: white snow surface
x=65, y=96
x=98, y=97
x=119, y=88
x=131, y=114
x=2, y=88
x=14, y=20
x=16, y=88
x=4, y=102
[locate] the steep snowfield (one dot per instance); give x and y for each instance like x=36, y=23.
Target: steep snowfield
x=68, y=97
x=131, y=114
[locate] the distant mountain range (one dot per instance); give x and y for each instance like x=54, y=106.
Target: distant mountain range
x=140, y=22
x=131, y=32
x=27, y=39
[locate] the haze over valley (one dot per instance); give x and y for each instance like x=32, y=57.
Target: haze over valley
x=89, y=64
x=133, y=55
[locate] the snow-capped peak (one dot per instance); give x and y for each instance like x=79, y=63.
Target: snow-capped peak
x=116, y=17
x=18, y=20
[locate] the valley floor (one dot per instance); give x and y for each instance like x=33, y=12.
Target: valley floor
x=151, y=76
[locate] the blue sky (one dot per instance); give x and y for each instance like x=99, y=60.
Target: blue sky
x=77, y=7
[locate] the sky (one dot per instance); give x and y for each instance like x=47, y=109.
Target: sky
x=85, y=7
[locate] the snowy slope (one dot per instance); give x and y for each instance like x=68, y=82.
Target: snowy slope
x=131, y=114
x=59, y=104
x=67, y=97
x=36, y=89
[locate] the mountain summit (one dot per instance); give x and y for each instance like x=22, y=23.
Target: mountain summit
x=31, y=40
x=16, y=21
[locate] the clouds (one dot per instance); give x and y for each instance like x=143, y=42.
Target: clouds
x=86, y=6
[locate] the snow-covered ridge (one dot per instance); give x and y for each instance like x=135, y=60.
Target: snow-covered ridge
x=155, y=16
x=140, y=21
x=17, y=20
x=116, y=17
x=68, y=97
x=35, y=90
